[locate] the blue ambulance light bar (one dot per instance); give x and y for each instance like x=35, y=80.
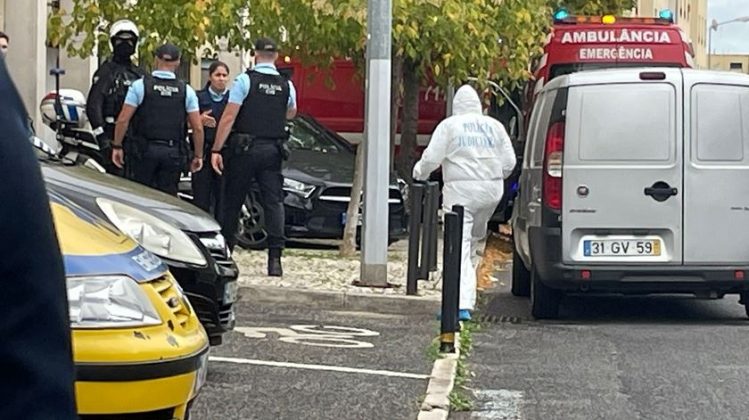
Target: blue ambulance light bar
x=666, y=14
x=561, y=14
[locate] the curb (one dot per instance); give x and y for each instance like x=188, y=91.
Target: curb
x=436, y=405
x=324, y=299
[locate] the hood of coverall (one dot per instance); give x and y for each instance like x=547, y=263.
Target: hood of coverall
x=466, y=101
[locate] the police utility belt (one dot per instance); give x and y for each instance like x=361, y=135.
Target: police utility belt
x=241, y=143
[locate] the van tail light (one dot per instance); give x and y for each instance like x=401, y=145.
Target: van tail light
x=553, y=158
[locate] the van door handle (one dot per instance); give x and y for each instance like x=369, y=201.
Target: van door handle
x=661, y=191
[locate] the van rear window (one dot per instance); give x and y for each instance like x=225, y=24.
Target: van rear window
x=720, y=123
x=626, y=122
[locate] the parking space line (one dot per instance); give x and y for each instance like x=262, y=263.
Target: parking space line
x=317, y=367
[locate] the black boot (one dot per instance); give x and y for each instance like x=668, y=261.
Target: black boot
x=274, y=263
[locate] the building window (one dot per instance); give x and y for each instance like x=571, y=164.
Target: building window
x=736, y=67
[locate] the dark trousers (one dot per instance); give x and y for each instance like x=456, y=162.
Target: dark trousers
x=206, y=188
x=158, y=167
x=105, y=151
x=262, y=163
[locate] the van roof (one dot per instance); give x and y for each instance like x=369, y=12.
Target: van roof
x=632, y=74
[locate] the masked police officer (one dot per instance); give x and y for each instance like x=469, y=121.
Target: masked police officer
x=260, y=101
x=110, y=84
x=162, y=105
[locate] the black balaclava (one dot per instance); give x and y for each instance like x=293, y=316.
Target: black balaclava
x=123, y=49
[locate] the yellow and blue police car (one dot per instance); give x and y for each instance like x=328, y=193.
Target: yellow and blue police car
x=138, y=346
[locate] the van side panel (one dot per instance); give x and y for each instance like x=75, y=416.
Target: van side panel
x=716, y=211
x=620, y=139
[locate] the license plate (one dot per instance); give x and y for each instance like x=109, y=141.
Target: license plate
x=622, y=248
x=231, y=292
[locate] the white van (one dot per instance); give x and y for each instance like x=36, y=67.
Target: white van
x=635, y=181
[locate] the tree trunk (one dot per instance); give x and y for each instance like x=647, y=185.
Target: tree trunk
x=348, y=247
x=396, y=81
x=409, y=119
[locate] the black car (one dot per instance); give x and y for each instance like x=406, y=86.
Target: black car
x=185, y=237
x=317, y=187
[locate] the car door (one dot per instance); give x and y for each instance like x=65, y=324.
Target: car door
x=716, y=172
x=622, y=171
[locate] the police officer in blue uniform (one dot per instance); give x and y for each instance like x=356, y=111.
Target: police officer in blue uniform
x=206, y=185
x=162, y=106
x=110, y=85
x=260, y=102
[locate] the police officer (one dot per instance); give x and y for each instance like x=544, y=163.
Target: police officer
x=260, y=101
x=206, y=185
x=110, y=84
x=162, y=105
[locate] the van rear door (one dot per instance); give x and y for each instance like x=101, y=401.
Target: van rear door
x=622, y=171
x=716, y=170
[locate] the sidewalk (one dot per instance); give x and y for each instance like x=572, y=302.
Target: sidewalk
x=323, y=270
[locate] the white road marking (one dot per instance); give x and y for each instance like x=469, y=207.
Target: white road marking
x=314, y=335
x=317, y=367
x=500, y=404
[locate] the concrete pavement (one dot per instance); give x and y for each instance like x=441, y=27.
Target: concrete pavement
x=611, y=358
x=298, y=361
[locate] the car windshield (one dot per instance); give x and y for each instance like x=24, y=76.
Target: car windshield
x=306, y=137
x=562, y=69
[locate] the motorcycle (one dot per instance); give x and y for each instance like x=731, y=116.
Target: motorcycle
x=65, y=114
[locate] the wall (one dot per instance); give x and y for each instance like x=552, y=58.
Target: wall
x=25, y=22
x=723, y=62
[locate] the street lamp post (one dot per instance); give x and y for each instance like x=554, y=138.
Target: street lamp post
x=714, y=28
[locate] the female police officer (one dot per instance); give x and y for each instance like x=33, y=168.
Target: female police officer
x=206, y=185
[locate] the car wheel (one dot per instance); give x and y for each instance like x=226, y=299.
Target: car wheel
x=251, y=233
x=544, y=300
x=521, y=277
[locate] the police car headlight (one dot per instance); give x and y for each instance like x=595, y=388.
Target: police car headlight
x=298, y=187
x=109, y=302
x=152, y=233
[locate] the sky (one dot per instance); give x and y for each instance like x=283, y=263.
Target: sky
x=732, y=37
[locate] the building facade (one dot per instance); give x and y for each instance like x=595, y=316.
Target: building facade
x=690, y=15
x=730, y=62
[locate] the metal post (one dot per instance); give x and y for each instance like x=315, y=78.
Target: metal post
x=377, y=146
x=435, y=197
x=460, y=212
x=416, y=191
x=427, y=237
x=450, y=281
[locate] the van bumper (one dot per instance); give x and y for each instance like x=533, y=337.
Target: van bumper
x=546, y=249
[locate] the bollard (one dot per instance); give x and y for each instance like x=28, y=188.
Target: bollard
x=450, y=282
x=460, y=212
x=432, y=243
x=416, y=191
x=427, y=235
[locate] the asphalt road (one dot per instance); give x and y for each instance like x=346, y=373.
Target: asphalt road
x=384, y=356
x=669, y=357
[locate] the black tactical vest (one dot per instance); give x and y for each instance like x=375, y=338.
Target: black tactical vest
x=263, y=112
x=162, y=115
x=121, y=78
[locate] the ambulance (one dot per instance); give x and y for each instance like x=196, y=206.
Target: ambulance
x=578, y=43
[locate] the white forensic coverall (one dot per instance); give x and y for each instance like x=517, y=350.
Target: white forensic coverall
x=476, y=155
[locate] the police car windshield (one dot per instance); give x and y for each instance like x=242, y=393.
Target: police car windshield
x=569, y=68
x=306, y=137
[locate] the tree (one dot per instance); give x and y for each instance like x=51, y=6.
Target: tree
x=449, y=41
